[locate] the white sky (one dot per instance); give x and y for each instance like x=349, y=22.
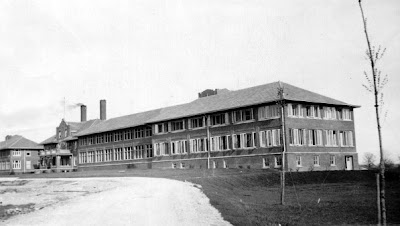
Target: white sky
x=145, y=54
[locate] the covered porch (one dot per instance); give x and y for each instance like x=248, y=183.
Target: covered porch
x=58, y=160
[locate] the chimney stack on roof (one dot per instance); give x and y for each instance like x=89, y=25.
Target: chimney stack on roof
x=83, y=113
x=8, y=137
x=103, y=110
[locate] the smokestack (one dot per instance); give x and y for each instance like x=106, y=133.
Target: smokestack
x=103, y=110
x=83, y=113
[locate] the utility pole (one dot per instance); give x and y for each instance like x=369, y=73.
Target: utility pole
x=281, y=103
x=207, y=117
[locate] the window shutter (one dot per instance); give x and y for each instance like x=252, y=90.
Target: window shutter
x=155, y=128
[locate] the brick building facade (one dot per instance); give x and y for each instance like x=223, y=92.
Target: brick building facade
x=229, y=129
x=18, y=155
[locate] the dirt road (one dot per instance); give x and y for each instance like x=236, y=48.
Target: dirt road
x=119, y=201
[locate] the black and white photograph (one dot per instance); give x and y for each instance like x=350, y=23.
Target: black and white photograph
x=189, y=112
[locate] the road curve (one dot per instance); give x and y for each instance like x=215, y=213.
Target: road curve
x=137, y=201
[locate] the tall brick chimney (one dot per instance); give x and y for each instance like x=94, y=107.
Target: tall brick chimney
x=83, y=113
x=103, y=115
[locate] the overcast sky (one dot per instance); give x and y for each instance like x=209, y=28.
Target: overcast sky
x=147, y=54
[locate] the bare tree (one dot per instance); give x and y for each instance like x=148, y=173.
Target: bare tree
x=375, y=84
x=369, y=160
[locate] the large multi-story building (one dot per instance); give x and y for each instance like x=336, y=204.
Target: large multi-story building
x=227, y=129
x=60, y=150
x=18, y=155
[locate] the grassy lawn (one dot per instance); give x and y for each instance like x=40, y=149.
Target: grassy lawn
x=252, y=197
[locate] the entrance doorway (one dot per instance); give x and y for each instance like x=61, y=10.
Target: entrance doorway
x=349, y=162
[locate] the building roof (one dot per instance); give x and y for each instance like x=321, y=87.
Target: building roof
x=19, y=142
x=224, y=101
x=75, y=127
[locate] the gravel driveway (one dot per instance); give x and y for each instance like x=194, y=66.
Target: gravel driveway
x=110, y=201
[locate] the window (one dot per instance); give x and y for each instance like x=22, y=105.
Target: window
x=331, y=138
x=316, y=160
x=16, y=153
x=59, y=134
x=16, y=164
x=315, y=137
x=329, y=113
x=298, y=161
x=182, y=165
x=278, y=161
x=270, y=138
x=108, y=138
x=148, y=131
x=149, y=150
x=244, y=140
x=108, y=155
x=269, y=112
x=118, y=154
x=218, y=119
x=333, y=160
x=177, y=125
x=83, y=157
x=197, y=123
x=346, y=138
x=138, y=152
x=99, y=156
x=173, y=165
x=178, y=147
x=297, y=137
x=100, y=139
x=265, y=162
x=249, y=140
x=242, y=115
x=344, y=114
x=237, y=141
x=128, y=153
x=220, y=143
x=161, y=128
x=138, y=133
x=65, y=133
x=128, y=135
x=295, y=110
x=161, y=149
x=313, y=111
x=118, y=136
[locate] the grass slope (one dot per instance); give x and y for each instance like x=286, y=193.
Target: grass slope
x=252, y=197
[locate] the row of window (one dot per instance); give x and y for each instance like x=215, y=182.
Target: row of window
x=117, y=154
x=4, y=165
x=15, y=153
x=316, y=162
x=314, y=111
x=298, y=160
x=332, y=138
x=265, y=112
x=116, y=136
x=218, y=143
